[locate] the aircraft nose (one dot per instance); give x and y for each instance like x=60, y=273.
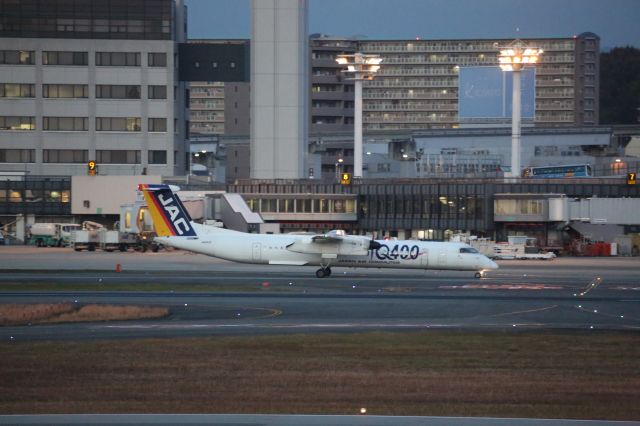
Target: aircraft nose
x=490, y=264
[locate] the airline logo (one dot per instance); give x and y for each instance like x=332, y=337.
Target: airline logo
x=170, y=218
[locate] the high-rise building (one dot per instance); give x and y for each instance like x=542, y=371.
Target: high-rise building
x=279, y=88
x=418, y=84
x=91, y=81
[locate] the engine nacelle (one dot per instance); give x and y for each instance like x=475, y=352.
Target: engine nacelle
x=346, y=245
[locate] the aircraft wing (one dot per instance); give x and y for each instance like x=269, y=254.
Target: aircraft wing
x=335, y=236
x=334, y=243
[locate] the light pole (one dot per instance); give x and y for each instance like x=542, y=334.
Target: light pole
x=513, y=58
x=361, y=67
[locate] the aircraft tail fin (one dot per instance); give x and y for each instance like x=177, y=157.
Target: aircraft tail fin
x=170, y=218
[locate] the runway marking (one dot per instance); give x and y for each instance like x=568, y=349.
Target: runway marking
x=399, y=289
x=546, y=308
x=303, y=326
x=504, y=287
x=267, y=312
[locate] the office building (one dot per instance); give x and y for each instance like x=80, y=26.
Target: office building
x=92, y=81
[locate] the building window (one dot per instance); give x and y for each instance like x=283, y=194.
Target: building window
x=106, y=91
x=157, y=92
x=17, y=155
x=73, y=124
x=17, y=123
x=65, y=90
x=118, y=59
x=118, y=124
x=157, y=59
x=65, y=155
x=157, y=157
x=383, y=167
x=65, y=58
x=157, y=124
x=17, y=57
x=17, y=90
x=104, y=156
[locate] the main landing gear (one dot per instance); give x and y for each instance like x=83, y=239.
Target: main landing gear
x=323, y=272
x=479, y=274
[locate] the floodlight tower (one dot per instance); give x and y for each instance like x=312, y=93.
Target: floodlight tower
x=514, y=57
x=360, y=67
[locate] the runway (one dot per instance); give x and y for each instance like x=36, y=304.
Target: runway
x=208, y=297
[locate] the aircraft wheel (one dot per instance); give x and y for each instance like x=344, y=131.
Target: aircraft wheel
x=321, y=273
x=327, y=271
x=478, y=275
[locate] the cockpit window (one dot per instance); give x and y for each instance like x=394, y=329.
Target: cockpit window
x=468, y=250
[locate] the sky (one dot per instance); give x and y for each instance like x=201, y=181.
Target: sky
x=615, y=21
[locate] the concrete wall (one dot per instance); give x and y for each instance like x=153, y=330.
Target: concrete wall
x=105, y=194
x=279, y=93
x=617, y=211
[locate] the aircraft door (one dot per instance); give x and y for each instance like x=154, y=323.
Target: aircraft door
x=257, y=252
x=442, y=259
x=424, y=258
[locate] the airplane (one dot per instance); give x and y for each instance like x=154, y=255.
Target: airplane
x=174, y=228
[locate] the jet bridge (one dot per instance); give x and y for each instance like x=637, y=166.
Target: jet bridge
x=238, y=216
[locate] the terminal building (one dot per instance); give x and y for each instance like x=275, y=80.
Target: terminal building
x=554, y=211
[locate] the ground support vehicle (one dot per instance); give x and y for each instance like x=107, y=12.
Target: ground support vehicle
x=52, y=234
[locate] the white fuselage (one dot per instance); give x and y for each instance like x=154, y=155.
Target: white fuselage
x=273, y=249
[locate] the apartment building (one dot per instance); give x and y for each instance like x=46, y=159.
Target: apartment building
x=418, y=84
x=92, y=81
x=217, y=72
x=218, y=108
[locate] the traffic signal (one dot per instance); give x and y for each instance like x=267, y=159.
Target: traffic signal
x=92, y=168
x=345, y=179
x=631, y=178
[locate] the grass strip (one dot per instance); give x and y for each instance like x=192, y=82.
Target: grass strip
x=439, y=373
x=47, y=313
x=96, y=285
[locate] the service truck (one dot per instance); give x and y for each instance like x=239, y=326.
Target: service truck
x=87, y=237
x=52, y=234
x=136, y=225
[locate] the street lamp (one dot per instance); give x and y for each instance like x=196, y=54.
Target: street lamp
x=514, y=57
x=338, y=167
x=360, y=67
